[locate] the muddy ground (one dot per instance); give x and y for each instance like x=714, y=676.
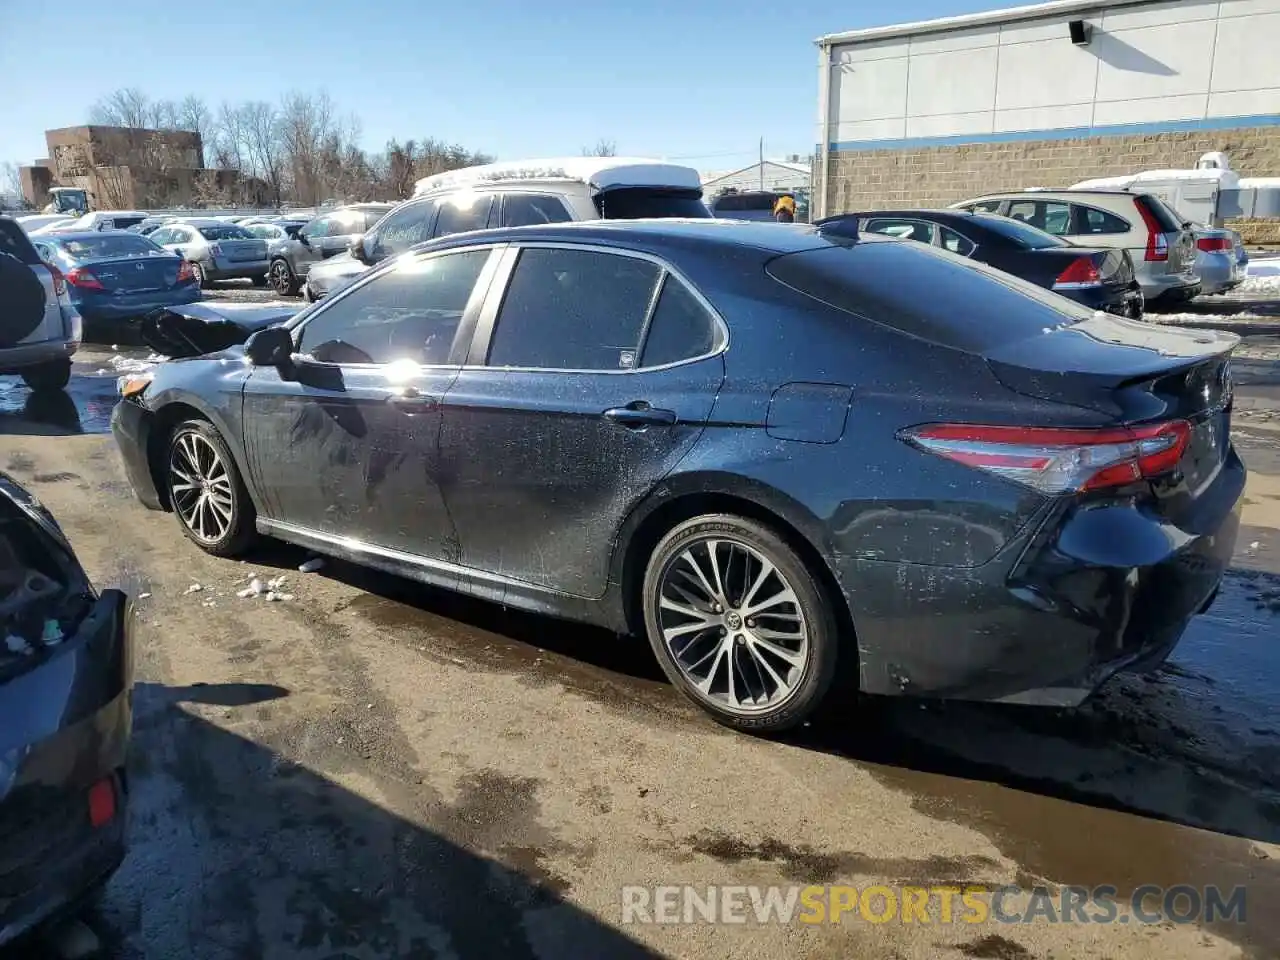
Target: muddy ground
x=377, y=769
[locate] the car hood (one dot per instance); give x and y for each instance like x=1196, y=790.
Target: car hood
x=200, y=328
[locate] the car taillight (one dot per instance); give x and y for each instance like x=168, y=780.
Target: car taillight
x=59, y=281
x=84, y=279
x=1214, y=244
x=1157, y=244
x=102, y=802
x=185, y=273
x=1056, y=460
x=215, y=250
x=1081, y=272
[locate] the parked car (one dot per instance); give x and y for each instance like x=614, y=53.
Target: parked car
x=1100, y=278
x=35, y=221
x=751, y=443
x=109, y=220
x=216, y=250
x=746, y=205
x=529, y=192
x=40, y=329
x=189, y=330
x=118, y=275
x=1221, y=260
x=320, y=238
x=1161, y=246
x=65, y=710
x=151, y=224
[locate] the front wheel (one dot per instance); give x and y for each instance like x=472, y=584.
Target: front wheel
x=206, y=492
x=281, y=278
x=739, y=623
x=54, y=375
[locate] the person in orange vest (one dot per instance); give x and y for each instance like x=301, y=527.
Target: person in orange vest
x=784, y=209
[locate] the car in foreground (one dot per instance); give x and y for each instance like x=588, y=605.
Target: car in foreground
x=1161, y=246
x=1100, y=278
x=118, y=275
x=1221, y=260
x=778, y=454
x=40, y=329
x=513, y=194
x=324, y=236
x=65, y=718
x=215, y=249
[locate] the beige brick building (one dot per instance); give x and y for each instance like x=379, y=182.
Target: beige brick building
x=932, y=113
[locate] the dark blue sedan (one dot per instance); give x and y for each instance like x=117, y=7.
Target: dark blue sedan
x=118, y=275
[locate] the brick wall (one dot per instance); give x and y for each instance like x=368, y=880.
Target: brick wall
x=939, y=176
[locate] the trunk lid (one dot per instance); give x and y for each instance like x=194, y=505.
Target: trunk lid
x=1114, y=266
x=134, y=274
x=238, y=251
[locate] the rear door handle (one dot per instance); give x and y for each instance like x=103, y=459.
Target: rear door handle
x=638, y=413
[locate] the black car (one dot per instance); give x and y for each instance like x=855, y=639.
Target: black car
x=65, y=715
x=778, y=453
x=1101, y=278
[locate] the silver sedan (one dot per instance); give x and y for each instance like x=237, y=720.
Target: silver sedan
x=217, y=250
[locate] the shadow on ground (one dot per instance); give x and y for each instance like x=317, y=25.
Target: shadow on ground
x=237, y=851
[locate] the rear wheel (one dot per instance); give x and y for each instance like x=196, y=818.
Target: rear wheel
x=197, y=271
x=53, y=375
x=739, y=623
x=205, y=489
x=281, y=278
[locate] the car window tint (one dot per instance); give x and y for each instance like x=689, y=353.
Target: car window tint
x=401, y=229
x=573, y=310
x=1094, y=221
x=985, y=206
x=371, y=218
x=902, y=228
x=680, y=327
x=318, y=227
x=409, y=313
x=1054, y=218
x=955, y=242
x=463, y=212
x=527, y=209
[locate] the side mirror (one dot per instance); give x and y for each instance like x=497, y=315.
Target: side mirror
x=272, y=347
x=355, y=247
x=302, y=238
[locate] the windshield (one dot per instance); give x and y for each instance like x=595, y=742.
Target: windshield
x=636, y=203
x=228, y=231
x=112, y=245
x=1024, y=235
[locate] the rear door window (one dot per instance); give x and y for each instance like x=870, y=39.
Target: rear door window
x=984, y=206
x=680, y=328
x=955, y=242
x=463, y=212
x=529, y=209
x=970, y=306
x=1049, y=216
x=570, y=309
x=632, y=203
x=902, y=228
x=1092, y=221
x=402, y=228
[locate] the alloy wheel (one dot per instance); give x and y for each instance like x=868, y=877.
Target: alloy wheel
x=280, y=278
x=733, y=625
x=201, y=487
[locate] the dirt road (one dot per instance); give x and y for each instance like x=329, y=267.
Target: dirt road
x=376, y=769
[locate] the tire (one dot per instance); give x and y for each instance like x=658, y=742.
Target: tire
x=282, y=279
x=742, y=548
x=202, y=281
x=54, y=375
x=260, y=281
x=225, y=524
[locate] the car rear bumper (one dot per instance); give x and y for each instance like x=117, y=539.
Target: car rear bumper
x=131, y=425
x=23, y=355
x=1121, y=301
x=1169, y=288
x=64, y=726
x=1219, y=272
x=1092, y=590
x=236, y=269
x=135, y=305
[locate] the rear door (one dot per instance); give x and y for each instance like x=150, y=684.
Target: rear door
x=404, y=227
x=592, y=375
x=463, y=212
x=14, y=241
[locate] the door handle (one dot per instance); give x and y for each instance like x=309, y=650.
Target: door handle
x=411, y=399
x=638, y=413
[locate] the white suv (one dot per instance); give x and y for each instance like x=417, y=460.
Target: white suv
x=518, y=193
x=1161, y=246
x=36, y=343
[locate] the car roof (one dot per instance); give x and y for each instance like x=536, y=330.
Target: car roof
x=1031, y=194
x=87, y=235
x=911, y=212
x=769, y=238
x=598, y=173
x=203, y=222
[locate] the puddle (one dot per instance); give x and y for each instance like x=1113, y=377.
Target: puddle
x=85, y=406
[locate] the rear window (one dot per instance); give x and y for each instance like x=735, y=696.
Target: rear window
x=970, y=306
x=1169, y=221
x=734, y=202
x=112, y=245
x=635, y=203
x=225, y=232
x=13, y=241
x=1023, y=234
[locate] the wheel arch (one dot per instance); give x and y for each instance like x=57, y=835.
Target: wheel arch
x=167, y=416
x=688, y=496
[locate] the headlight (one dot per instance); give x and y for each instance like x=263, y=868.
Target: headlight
x=133, y=384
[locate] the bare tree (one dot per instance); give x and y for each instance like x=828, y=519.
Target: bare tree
x=127, y=107
x=400, y=169
x=194, y=115
x=306, y=122
x=164, y=115
x=260, y=127
x=603, y=148
x=209, y=189
x=11, y=182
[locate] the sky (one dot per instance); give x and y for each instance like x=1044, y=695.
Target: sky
x=701, y=80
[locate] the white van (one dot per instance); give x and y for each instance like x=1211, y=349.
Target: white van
x=519, y=193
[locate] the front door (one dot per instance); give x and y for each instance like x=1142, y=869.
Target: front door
x=344, y=444
x=594, y=379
